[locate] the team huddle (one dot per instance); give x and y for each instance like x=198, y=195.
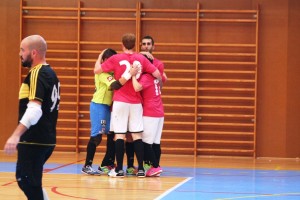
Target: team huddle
x=127, y=107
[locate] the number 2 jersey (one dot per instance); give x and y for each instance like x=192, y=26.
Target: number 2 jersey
x=41, y=84
x=120, y=63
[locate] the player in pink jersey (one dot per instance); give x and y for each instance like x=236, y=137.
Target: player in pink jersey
x=153, y=114
x=127, y=111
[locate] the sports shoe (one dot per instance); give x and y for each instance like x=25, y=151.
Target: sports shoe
x=115, y=174
x=105, y=169
x=141, y=174
x=154, y=171
x=131, y=171
x=147, y=166
x=90, y=171
x=99, y=170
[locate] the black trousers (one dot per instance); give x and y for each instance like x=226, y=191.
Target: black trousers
x=29, y=169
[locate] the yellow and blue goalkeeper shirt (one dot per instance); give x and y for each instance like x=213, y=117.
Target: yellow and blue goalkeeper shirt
x=103, y=93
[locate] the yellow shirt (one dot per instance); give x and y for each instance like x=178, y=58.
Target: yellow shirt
x=103, y=93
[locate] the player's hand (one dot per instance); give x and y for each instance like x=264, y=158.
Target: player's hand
x=137, y=65
x=134, y=69
x=148, y=54
x=100, y=56
x=11, y=144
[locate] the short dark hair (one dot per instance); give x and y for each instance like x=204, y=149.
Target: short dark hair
x=128, y=41
x=149, y=37
x=108, y=53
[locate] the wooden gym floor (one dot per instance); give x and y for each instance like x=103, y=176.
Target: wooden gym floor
x=184, y=177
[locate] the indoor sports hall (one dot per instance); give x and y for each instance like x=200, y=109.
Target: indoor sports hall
x=231, y=100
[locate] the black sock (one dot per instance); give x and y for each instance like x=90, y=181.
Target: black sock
x=91, y=149
x=111, y=150
x=146, y=158
x=109, y=158
x=139, y=152
x=157, y=151
x=150, y=154
x=129, y=153
x=119, y=154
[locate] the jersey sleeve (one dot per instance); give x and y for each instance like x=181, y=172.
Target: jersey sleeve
x=106, y=78
x=146, y=80
x=38, y=85
x=160, y=68
x=108, y=65
x=148, y=67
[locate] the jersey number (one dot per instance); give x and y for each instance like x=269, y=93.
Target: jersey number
x=157, y=87
x=55, y=96
x=127, y=64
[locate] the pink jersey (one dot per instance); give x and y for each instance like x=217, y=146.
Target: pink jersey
x=160, y=66
x=120, y=63
x=151, y=93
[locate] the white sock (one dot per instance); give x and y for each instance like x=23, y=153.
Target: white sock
x=45, y=195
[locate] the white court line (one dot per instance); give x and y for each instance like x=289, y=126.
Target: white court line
x=172, y=189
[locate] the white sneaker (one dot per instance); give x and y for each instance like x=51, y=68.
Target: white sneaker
x=115, y=174
x=141, y=174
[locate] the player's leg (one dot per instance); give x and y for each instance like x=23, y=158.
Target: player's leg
x=96, y=117
x=150, y=124
x=156, y=144
x=108, y=161
x=29, y=170
x=157, y=151
x=111, y=144
x=94, y=141
x=146, y=137
x=136, y=129
x=109, y=157
x=129, y=148
x=150, y=129
x=48, y=153
x=119, y=119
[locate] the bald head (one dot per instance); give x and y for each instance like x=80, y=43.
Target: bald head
x=33, y=51
x=36, y=42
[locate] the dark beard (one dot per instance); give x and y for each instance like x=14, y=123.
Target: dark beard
x=27, y=62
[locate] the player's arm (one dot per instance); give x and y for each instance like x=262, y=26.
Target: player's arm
x=97, y=68
x=118, y=83
x=31, y=116
x=147, y=54
x=136, y=85
x=125, y=77
x=157, y=75
x=164, y=77
x=12, y=142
